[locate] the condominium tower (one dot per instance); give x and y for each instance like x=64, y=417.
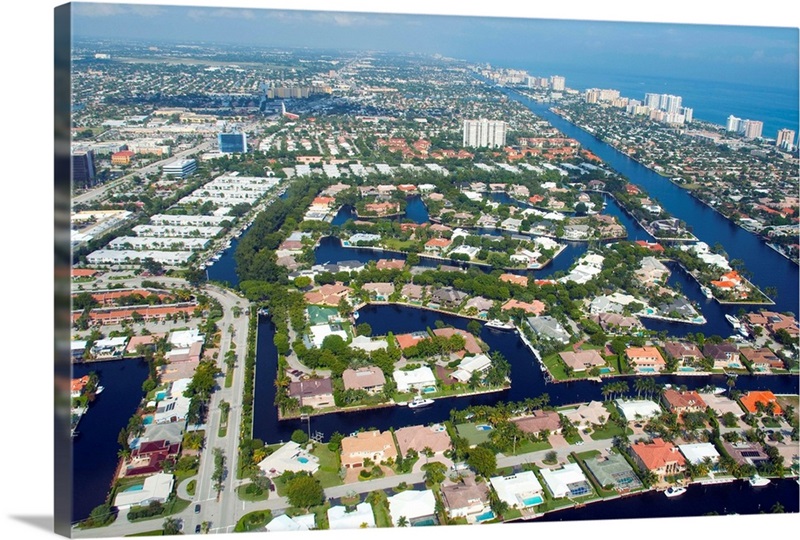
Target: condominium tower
x=484, y=133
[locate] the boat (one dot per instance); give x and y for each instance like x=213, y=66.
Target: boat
x=734, y=321
x=757, y=481
x=707, y=292
x=263, y=312
x=418, y=402
x=99, y=390
x=674, y=491
x=500, y=325
x=743, y=332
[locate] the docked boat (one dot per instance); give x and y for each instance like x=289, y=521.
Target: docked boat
x=263, y=312
x=743, y=332
x=758, y=481
x=675, y=491
x=707, y=292
x=734, y=321
x=418, y=402
x=500, y=325
x=99, y=390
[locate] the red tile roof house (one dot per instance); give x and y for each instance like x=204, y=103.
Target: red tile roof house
x=390, y=264
x=147, y=459
x=762, y=359
x=681, y=402
x=515, y=279
x=751, y=400
x=535, y=308
x=645, y=359
x=328, y=294
x=317, y=393
x=465, y=498
x=539, y=421
x=437, y=245
x=470, y=343
x=660, y=457
x=369, y=378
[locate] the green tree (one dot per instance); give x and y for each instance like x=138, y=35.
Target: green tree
x=299, y=436
x=304, y=491
x=364, y=329
x=172, y=526
x=474, y=327
x=482, y=460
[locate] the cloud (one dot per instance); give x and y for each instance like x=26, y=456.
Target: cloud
x=115, y=10
x=221, y=13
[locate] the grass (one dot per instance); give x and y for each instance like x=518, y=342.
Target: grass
x=245, y=493
x=770, y=422
x=397, y=245
x=320, y=514
x=528, y=446
x=190, y=487
x=229, y=378
x=379, y=508
x=512, y=513
x=223, y=423
x=174, y=506
x=328, y=473
x=253, y=521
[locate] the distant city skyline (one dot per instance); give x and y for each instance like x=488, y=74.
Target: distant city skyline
x=761, y=54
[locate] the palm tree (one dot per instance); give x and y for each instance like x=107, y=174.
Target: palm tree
x=428, y=453
x=402, y=522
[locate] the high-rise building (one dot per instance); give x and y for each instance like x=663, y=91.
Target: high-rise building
x=785, y=140
x=232, y=142
x=652, y=100
x=688, y=114
x=83, y=170
x=752, y=129
x=484, y=133
x=558, y=83
x=734, y=124
x=592, y=95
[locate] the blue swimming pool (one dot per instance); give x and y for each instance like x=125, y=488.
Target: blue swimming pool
x=486, y=516
x=302, y=459
x=647, y=370
x=533, y=501
x=427, y=522
x=429, y=390
x=161, y=395
x=147, y=420
x=686, y=369
x=138, y=487
x=483, y=427
x=605, y=370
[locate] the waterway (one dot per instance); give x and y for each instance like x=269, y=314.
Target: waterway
x=769, y=269
x=95, y=447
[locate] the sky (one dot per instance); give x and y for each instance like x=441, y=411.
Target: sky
x=27, y=34
x=691, y=50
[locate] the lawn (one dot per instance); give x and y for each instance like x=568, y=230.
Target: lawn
x=229, y=378
x=320, y=514
x=190, y=487
x=397, y=245
x=328, y=473
x=175, y=505
x=379, y=508
x=253, y=521
x=528, y=446
x=555, y=366
x=246, y=493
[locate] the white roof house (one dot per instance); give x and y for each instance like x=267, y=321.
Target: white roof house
x=470, y=365
x=289, y=457
x=284, y=523
x=366, y=343
x=518, y=488
x=412, y=505
x=414, y=379
x=644, y=408
x=156, y=488
x=340, y=518
x=566, y=480
x=696, y=453
x=185, y=338
x=320, y=331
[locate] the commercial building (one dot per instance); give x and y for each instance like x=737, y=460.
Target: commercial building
x=558, y=83
x=230, y=143
x=181, y=168
x=785, y=140
x=83, y=169
x=484, y=133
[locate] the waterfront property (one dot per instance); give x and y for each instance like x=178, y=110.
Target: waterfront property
x=697, y=453
x=474, y=433
x=341, y=517
x=659, y=457
x=368, y=378
x=539, y=421
x=756, y=401
x=418, y=507
x=520, y=490
x=317, y=393
x=374, y=445
x=418, y=438
x=156, y=488
x=638, y=409
x=580, y=361
x=289, y=457
x=724, y=355
x=567, y=481
x=587, y=414
x=465, y=498
x=415, y=379
x=682, y=402
x=612, y=469
x=645, y=359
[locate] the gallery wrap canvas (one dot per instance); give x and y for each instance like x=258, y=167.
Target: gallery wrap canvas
x=331, y=270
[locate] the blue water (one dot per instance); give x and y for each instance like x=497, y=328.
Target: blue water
x=302, y=459
x=138, y=487
x=95, y=448
x=429, y=390
x=532, y=501
x=486, y=516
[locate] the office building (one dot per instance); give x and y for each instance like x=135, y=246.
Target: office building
x=182, y=168
x=484, y=133
x=558, y=83
x=83, y=170
x=230, y=143
x=785, y=140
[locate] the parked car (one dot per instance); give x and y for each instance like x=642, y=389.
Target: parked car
x=197, y=529
x=197, y=509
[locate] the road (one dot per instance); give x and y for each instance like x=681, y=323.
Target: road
x=101, y=191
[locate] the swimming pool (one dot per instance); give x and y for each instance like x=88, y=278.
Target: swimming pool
x=485, y=516
x=302, y=459
x=429, y=390
x=138, y=487
x=427, y=522
x=533, y=501
x=605, y=370
x=483, y=427
x=686, y=369
x=147, y=420
x=647, y=370
x=160, y=396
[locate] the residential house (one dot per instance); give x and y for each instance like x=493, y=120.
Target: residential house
x=471, y=345
x=614, y=322
x=448, y=297
x=390, y=264
x=651, y=271
x=471, y=364
x=77, y=386
x=330, y=294
x=413, y=292
x=522, y=281
x=697, y=453
x=746, y=453
x=546, y=326
x=683, y=352
x=418, y=438
x=374, y=445
x=415, y=379
x=465, y=498
x=535, y=308
x=437, y=245
x=580, y=361
x=342, y=517
x=369, y=378
x=638, y=409
x=539, y=421
x=317, y=393
x=149, y=456
x=683, y=402
x=751, y=400
x=567, y=481
x=520, y=490
x=762, y=359
x=289, y=457
x=645, y=359
x=379, y=291
x=724, y=355
x=588, y=414
x=413, y=505
x=481, y=304
x=659, y=457
x=156, y=488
